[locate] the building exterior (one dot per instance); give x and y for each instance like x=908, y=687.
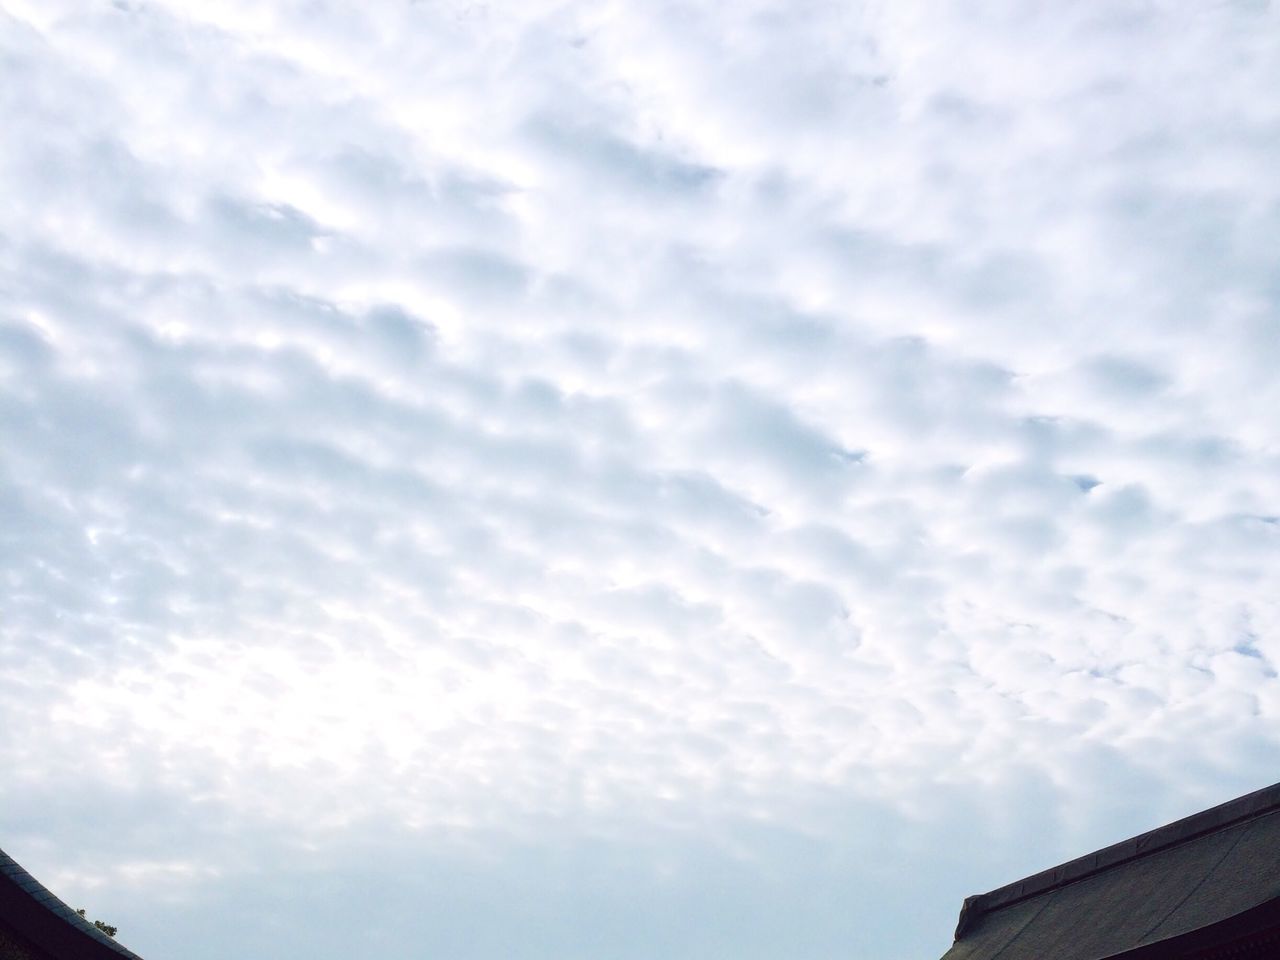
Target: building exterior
x=1203, y=888
x=36, y=925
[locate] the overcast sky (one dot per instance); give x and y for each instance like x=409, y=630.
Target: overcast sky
x=648, y=479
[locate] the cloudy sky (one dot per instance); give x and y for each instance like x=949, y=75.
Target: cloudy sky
x=647, y=479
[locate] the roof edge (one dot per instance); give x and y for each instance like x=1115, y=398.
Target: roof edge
x=1224, y=815
x=38, y=914
x=1249, y=930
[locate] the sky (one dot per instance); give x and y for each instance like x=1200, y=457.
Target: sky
x=628, y=479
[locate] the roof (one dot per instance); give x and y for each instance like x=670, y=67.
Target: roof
x=1217, y=870
x=31, y=910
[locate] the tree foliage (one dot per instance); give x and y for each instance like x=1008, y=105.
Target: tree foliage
x=106, y=928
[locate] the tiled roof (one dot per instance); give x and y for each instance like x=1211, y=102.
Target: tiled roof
x=1218, y=866
x=35, y=912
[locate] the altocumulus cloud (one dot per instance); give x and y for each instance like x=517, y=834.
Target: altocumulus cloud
x=627, y=479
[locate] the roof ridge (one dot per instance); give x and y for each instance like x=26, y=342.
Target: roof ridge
x=1248, y=807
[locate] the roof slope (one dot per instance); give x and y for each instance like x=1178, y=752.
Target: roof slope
x=29, y=908
x=1216, y=865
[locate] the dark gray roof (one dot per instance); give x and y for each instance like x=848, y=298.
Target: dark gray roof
x=1217, y=867
x=30, y=909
